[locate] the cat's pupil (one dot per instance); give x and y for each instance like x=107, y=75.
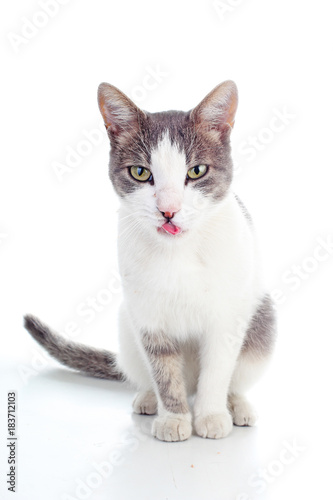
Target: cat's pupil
x=140, y=171
x=197, y=170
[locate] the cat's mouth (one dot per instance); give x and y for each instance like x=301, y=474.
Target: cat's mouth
x=169, y=228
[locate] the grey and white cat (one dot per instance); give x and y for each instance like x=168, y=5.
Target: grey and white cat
x=195, y=317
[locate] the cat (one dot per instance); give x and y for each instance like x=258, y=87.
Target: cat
x=195, y=317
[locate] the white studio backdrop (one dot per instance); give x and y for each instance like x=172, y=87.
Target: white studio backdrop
x=58, y=224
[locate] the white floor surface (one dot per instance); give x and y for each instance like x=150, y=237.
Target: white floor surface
x=78, y=438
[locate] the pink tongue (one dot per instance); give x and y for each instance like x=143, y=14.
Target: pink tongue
x=170, y=228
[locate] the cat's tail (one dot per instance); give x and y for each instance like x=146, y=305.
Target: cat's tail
x=94, y=362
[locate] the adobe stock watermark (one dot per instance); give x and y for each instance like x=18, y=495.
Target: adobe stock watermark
x=263, y=477
x=75, y=154
x=86, y=311
x=297, y=274
x=249, y=148
x=151, y=81
x=3, y=237
x=225, y=7
x=96, y=304
x=198, y=203
x=31, y=27
x=101, y=471
x=235, y=339
x=92, y=138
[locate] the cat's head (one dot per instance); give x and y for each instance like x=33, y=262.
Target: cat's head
x=171, y=169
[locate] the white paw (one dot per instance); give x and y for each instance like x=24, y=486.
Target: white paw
x=145, y=403
x=242, y=411
x=214, y=426
x=172, y=428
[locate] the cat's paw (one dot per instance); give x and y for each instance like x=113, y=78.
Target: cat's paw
x=215, y=426
x=145, y=403
x=242, y=411
x=172, y=428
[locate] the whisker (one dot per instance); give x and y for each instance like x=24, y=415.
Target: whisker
x=130, y=215
x=131, y=227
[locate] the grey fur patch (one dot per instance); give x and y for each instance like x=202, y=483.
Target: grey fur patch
x=98, y=363
x=261, y=334
x=166, y=361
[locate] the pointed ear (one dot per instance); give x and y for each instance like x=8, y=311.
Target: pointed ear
x=217, y=110
x=118, y=111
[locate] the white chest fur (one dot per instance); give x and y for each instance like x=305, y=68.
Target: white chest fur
x=180, y=285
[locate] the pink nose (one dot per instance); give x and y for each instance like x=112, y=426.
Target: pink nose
x=168, y=215
x=168, y=202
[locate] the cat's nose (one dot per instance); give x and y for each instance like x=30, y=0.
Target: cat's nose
x=168, y=215
x=169, y=201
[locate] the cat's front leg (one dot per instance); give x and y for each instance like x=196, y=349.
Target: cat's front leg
x=219, y=350
x=165, y=359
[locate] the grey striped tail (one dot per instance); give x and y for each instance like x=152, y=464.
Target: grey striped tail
x=95, y=362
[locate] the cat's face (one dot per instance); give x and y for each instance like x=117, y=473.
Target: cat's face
x=170, y=169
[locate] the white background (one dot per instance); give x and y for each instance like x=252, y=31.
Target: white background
x=58, y=236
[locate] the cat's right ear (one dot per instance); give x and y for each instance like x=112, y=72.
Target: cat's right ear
x=120, y=114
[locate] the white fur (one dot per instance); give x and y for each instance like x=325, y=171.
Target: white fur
x=200, y=287
x=168, y=165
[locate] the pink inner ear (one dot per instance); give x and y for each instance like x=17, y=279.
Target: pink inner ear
x=116, y=118
x=232, y=110
x=218, y=109
x=106, y=117
x=118, y=111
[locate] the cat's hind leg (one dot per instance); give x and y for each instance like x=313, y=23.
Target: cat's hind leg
x=145, y=403
x=134, y=367
x=252, y=362
x=242, y=412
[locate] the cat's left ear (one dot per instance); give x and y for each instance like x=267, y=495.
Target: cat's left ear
x=218, y=109
x=120, y=114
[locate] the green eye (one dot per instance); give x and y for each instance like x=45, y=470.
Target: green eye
x=140, y=173
x=198, y=171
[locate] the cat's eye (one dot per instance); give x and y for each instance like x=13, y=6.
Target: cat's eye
x=197, y=171
x=141, y=174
